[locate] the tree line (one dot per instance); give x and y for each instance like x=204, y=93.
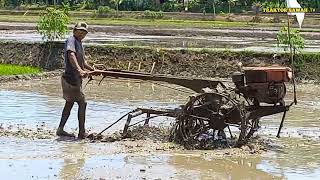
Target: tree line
x=208, y=6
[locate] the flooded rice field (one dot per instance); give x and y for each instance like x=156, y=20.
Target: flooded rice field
x=34, y=107
x=260, y=44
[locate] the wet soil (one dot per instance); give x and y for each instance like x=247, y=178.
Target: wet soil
x=221, y=42
x=253, y=32
x=30, y=148
x=139, y=139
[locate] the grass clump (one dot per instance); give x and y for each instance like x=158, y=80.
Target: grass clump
x=8, y=69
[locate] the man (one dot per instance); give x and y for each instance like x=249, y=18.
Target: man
x=71, y=80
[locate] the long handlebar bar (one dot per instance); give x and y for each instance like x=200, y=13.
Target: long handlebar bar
x=195, y=84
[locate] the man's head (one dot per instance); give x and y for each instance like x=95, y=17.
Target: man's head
x=80, y=30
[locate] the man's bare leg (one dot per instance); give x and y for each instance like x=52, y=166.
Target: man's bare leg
x=82, y=119
x=64, y=117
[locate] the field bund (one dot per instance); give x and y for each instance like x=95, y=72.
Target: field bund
x=194, y=63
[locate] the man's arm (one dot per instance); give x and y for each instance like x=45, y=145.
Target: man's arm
x=74, y=62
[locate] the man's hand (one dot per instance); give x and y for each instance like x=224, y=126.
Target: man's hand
x=83, y=74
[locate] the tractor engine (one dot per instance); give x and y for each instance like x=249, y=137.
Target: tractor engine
x=263, y=84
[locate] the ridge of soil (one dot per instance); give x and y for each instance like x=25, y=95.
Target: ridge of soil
x=184, y=63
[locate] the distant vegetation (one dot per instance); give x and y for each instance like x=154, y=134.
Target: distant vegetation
x=153, y=15
x=296, y=40
x=7, y=69
x=200, y=6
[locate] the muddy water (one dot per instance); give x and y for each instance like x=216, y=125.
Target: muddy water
x=216, y=42
x=35, y=104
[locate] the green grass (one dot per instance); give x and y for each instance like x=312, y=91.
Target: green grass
x=138, y=22
x=7, y=69
x=175, y=23
x=18, y=18
x=168, y=23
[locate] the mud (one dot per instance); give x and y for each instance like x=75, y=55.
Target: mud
x=155, y=139
x=38, y=153
x=22, y=132
x=253, y=32
x=140, y=139
x=256, y=44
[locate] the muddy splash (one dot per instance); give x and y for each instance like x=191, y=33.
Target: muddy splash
x=138, y=139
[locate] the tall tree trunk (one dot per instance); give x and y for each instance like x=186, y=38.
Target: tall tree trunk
x=117, y=7
x=214, y=8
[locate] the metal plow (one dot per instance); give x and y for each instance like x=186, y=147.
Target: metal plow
x=216, y=113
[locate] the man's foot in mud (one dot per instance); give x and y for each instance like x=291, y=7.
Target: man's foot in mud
x=82, y=135
x=64, y=133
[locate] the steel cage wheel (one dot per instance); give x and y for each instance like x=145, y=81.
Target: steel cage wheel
x=206, y=113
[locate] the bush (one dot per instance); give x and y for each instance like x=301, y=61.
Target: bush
x=152, y=14
x=172, y=6
x=105, y=10
x=256, y=19
x=139, y=5
x=297, y=40
x=128, y=5
x=276, y=19
x=52, y=24
x=195, y=6
x=149, y=5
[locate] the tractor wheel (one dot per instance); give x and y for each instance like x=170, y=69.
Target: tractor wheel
x=206, y=117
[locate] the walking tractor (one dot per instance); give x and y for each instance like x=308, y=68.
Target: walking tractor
x=216, y=112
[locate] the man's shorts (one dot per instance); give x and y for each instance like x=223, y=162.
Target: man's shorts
x=72, y=93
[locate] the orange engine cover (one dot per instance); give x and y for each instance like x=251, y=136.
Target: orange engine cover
x=267, y=74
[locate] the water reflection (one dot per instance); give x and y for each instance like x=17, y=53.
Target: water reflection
x=292, y=157
x=74, y=162
x=216, y=42
x=227, y=168
x=40, y=101
x=33, y=102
